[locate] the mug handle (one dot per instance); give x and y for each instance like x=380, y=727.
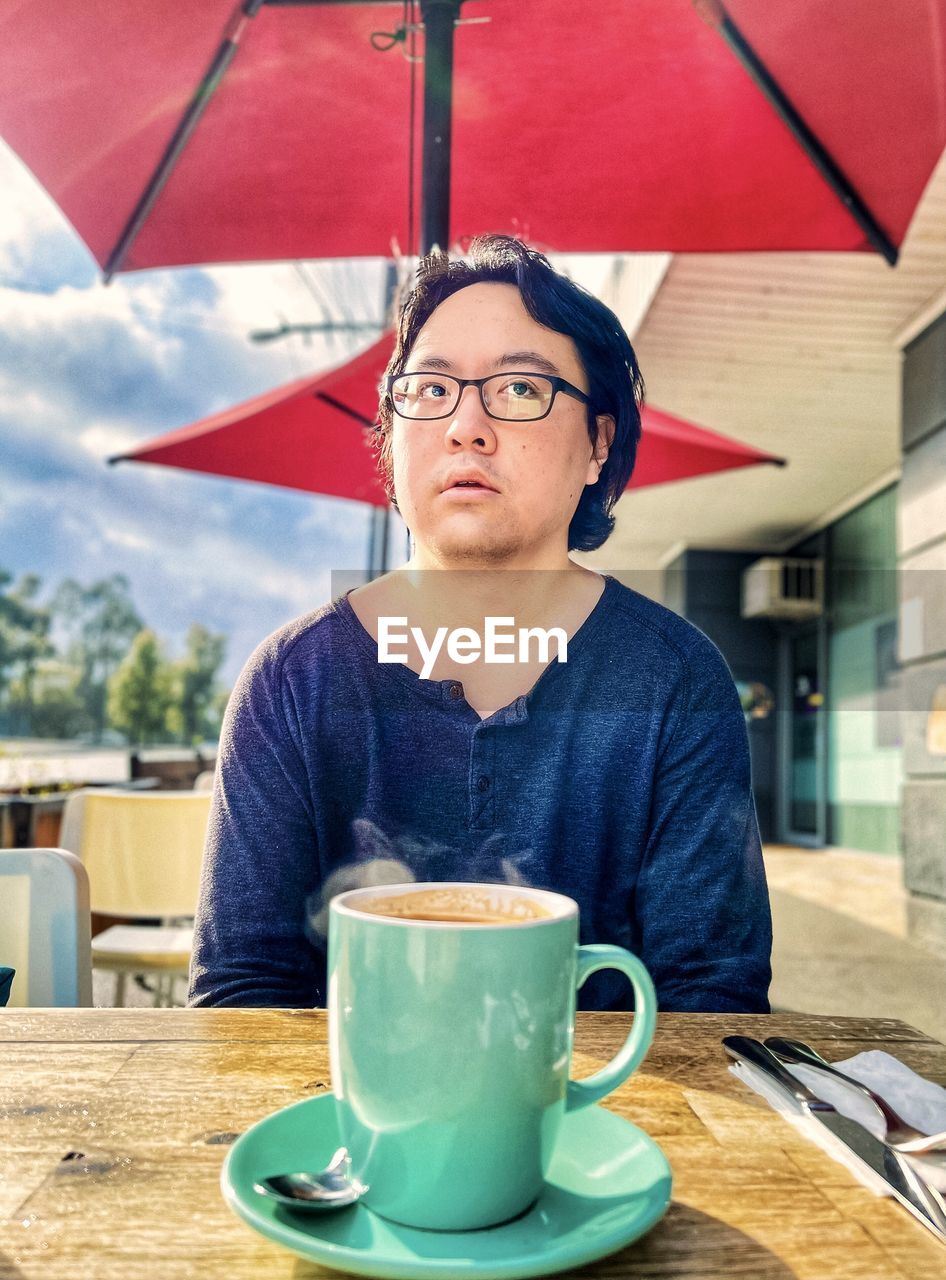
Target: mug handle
x=591, y=958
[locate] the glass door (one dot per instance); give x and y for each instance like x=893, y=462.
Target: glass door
x=803, y=807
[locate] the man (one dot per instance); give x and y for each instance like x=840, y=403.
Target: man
x=509, y=424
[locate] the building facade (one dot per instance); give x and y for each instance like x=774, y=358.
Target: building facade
x=921, y=552
x=846, y=710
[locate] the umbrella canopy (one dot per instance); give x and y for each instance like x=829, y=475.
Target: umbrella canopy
x=285, y=125
x=672, y=449
x=314, y=434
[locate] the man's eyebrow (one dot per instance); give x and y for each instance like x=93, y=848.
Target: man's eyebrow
x=525, y=361
x=528, y=361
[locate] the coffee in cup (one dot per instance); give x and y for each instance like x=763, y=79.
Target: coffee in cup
x=463, y=904
x=451, y=1017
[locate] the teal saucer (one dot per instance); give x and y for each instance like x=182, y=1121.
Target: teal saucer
x=608, y=1184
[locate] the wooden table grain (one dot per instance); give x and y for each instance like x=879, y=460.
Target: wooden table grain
x=115, y=1124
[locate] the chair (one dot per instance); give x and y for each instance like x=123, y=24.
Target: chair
x=142, y=851
x=45, y=927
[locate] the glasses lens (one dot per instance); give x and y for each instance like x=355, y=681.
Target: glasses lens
x=423, y=395
x=518, y=395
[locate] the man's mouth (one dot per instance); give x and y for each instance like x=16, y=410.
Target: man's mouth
x=469, y=483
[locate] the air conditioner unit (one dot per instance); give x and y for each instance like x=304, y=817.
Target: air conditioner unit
x=783, y=588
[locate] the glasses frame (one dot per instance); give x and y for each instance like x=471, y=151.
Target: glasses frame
x=558, y=384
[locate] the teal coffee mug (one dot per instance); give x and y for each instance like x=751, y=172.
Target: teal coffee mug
x=451, y=1017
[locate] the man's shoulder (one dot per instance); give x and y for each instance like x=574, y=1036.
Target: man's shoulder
x=649, y=648
x=651, y=625
x=305, y=643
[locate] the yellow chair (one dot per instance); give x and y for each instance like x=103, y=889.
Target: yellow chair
x=44, y=927
x=143, y=852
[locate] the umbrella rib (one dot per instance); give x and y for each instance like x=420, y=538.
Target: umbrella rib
x=716, y=16
x=221, y=60
x=344, y=408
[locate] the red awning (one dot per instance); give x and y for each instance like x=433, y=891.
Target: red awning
x=616, y=125
x=314, y=434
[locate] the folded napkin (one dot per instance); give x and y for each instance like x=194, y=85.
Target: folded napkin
x=920, y=1102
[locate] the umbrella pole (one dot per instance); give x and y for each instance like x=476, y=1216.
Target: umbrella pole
x=372, y=544
x=438, y=17
x=385, y=529
x=378, y=531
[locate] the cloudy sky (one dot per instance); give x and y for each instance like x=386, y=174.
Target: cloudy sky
x=87, y=371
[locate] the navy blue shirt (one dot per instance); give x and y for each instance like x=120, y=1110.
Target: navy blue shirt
x=620, y=779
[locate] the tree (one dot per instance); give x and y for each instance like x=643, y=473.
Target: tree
x=24, y=642
x=140, y=691
x=191, y=717
x=47, y=703
x=100, y=622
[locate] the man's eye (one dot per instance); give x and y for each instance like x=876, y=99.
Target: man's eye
x=519, y=388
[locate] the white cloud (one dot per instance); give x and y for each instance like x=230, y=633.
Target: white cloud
x=126, y=538
x=102, y=440
x=27, y=213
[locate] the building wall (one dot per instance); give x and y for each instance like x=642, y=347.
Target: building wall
x=836, y=755
x=922, y=563
x=705, y=587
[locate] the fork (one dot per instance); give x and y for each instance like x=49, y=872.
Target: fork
x=900, y=1135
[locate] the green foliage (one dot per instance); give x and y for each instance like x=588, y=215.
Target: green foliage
x=48, y=704
x=192, y=717
x=99, y=622
x=24, y=637
x=140, y=692
x=105, y=669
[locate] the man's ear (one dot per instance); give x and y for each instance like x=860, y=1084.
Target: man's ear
x=606, y=429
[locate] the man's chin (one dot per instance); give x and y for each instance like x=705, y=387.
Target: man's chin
x=475, y=550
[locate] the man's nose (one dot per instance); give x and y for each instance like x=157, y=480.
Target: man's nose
x=469, y=423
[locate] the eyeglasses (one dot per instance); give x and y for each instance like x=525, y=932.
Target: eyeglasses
x=510, y=397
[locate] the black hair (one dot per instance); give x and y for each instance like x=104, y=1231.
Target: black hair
x=615, y=384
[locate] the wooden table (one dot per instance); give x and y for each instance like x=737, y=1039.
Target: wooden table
x=115, y=1124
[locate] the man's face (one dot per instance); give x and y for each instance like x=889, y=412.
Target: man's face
x=537, y=470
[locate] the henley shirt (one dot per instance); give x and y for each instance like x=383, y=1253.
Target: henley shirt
x=621, y=779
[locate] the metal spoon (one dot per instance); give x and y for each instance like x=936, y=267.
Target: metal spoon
x=333, y=1188
x=900, y=1135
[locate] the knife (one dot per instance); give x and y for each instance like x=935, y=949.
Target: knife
x=904, y=1182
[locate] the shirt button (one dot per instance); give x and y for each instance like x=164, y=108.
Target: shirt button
x=482, y=784
x=456, y=691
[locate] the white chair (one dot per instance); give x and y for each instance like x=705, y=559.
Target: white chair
x=44, y=927
x=142, y=851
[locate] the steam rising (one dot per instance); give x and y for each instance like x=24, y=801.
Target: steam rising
x=380, y=859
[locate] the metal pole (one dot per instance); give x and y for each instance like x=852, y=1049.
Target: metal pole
x=438, y=17
x=373, y=540
x=385, y=524
x=390, y=299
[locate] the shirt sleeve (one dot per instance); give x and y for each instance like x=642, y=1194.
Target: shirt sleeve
x=260, y=861
x=701, y=900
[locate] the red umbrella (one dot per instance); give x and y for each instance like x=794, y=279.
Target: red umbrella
x=175, y=133
x=672, y=449
x=314, y=434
